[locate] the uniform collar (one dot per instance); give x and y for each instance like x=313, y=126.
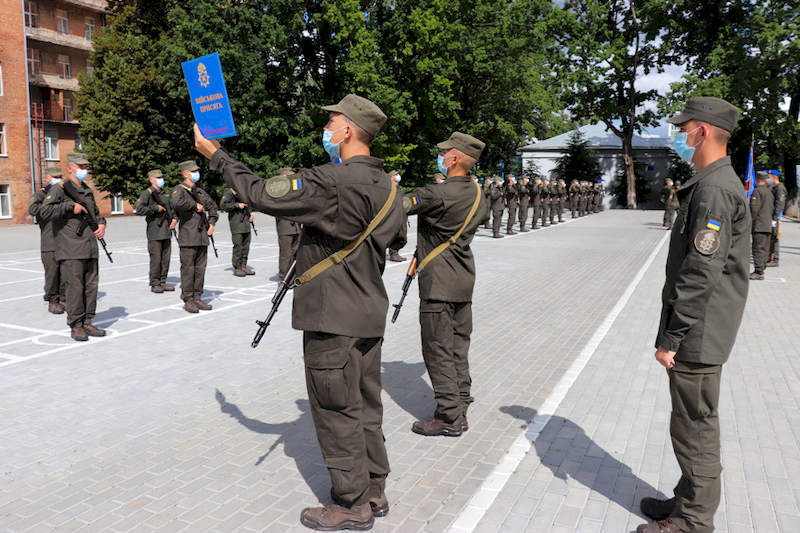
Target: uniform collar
x=721, y=162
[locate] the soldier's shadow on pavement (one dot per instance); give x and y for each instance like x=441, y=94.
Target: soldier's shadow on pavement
x=405, y=384
x=110, y=315
x=569, y=452
x=298, y=439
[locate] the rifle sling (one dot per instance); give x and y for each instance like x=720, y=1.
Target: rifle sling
x=446, y=244
x=339, y=256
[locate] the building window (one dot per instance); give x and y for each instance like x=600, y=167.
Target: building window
x=68, y=109
x=3, y=139
x=116, y=205
x=89, y=28
x=64, y=67
x=34, y=61
x=51, y=144
x=62, y=21
x=5, y=201
x=78, y=142
x=32, y=14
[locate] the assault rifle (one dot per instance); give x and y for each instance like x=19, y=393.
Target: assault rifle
x=410, y=273
x=88, y=216
x=206, y=225
x=165, y=214
x=286, y=283
x=246, y=216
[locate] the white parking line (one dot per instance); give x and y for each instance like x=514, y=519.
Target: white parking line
x=482, y=500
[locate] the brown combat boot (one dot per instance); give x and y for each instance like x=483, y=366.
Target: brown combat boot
x=497, y=236
x=167, y=288
x=201, y=305
x=190, y=307
x=397, y=258
x=239, y=272
x=94, y=331
x=756, y=276
x=158, y=289
x=334, y=517
x=434, y=427
x=248, y=271
x=657, y=509
x=772, y=263
x=511, y=232
x=79, y=334
x=55, y=308
x=378, y=504
x=662, y=526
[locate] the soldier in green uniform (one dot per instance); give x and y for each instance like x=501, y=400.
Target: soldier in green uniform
x=554, y=200
x=497, y=204
x=762, y=203
x=562, y=199
x=54, y=288
x=666, y=198
x=160, y=223
x=288, y=235
x=511, y=200
x=584, y=198
x=448, y=217
x=523, y=192
x=780, y=193
x=76, y=247
x=598, y=196
x=574, y=194
x=394, y=255
x=702, y=306
x=536, y=200
x=239, y=219
x=545, y=196
x=194, y=230
x=340, y=302
x=488, y=183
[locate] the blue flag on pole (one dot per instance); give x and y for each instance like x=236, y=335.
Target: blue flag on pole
x=210, y=104
x=750, y=180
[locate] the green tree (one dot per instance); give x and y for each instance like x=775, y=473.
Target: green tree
x=579, y=162
x=679, y=170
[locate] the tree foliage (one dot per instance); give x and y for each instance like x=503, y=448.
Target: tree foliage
x=579, y=162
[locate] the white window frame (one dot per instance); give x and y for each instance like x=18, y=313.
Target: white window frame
x=62, y=23
x=31, y=14
x=50, y=144
x=117, y=205
x=67, y=109
x=34, y=61
x=89, y=28
x=64, y=67
x=5, y=198
x=3, y=146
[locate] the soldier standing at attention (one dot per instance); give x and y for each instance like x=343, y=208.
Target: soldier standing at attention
x=76, y=246
x=666, y=199
x=487, y=192
x=574, y=193
x=523, y=192
x=193, y=235
x=448, y=217
x=536, y=199
x=780, y=193
x=394, y=255
x=160, y=222
x=239, y=219
x=562, y=199
x=762, y=203
x=545, y=195
x=702, y=305
x=511, y=199
x=554, y=200
x=54, y=288
x=353, y=210
x=497, y=206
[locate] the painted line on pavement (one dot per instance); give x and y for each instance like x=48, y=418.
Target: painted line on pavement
x=491, y=487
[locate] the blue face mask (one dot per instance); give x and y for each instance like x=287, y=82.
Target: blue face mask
x=195, y=176
x=331, y=149
x=683, y=150
x=55, y=181
x=81, y=174
x=440, y=164
x=159, y=182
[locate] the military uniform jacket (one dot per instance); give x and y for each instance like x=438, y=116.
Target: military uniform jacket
x=510, y=195
x=441, y=212
x=536, y=194
x=707, y=267
x=193, y=229
x=335, y=203
x=523, y=192
x=496, y=198
x=562, y=192
x=238, y=219
x=574, y=191
x=780, y=193
x=762, y=203
x=157, y=221
x=666, y=193
x=57, y=209
x=47, y=241
x=286, y=227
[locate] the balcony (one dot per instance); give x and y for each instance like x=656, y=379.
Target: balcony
x=52, y=37
x=53, y=81
x=94, y=5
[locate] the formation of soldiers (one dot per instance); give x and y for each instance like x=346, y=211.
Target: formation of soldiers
x=546, y=198
x=341, y=218
x=767, y=204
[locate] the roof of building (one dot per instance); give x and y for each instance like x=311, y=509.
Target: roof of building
x=601, y=138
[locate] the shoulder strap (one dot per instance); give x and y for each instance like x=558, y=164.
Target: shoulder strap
x=442, y=247
x=339, y=256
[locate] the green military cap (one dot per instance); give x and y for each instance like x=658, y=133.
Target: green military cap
x=189, y=165
x=155, y=173
x=52, y=170
x=77, y=158
x=365, y=114
x=714, y=111
x=762, y=175
x=464, y=143
x=394, y=172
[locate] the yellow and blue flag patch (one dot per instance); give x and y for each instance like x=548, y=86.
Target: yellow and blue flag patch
x=297, y=184
x=414, y=200
x=713, y=224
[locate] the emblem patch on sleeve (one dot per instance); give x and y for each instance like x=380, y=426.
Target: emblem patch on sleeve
x=278, y=187
x=707, y=241
x=406, y=204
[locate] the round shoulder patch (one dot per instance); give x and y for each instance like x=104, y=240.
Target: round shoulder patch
x=707, y=241
x=278, y=186
x=406, y=204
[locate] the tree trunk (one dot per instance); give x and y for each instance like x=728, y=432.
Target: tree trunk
x=627, y=158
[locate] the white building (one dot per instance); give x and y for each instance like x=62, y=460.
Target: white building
x=652, y=147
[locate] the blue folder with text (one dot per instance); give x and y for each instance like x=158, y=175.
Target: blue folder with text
x=210, y=104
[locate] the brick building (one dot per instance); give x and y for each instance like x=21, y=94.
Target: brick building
x=44, y=47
